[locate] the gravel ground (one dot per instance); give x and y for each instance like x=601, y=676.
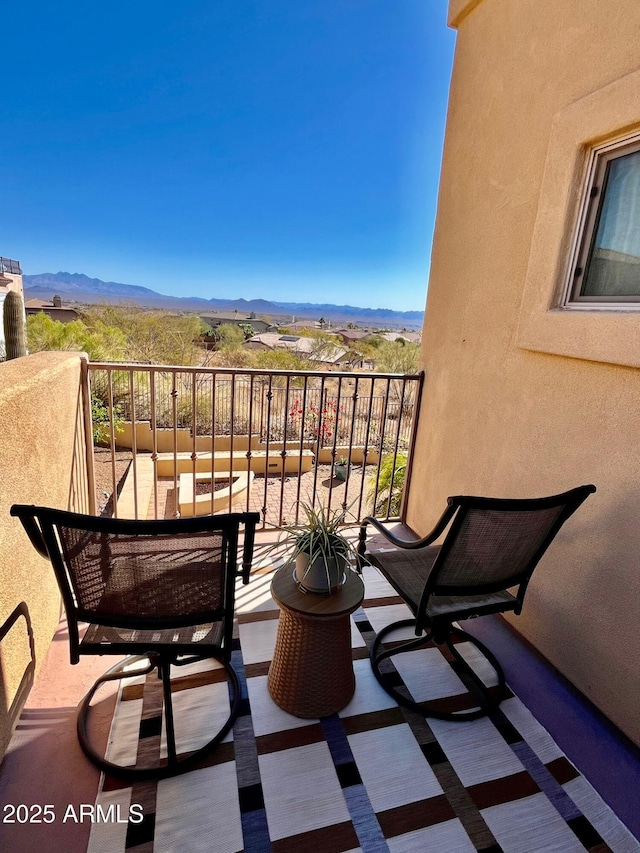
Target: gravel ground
x=104, y=477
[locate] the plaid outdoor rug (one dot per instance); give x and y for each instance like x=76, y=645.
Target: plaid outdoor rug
x=372, y=778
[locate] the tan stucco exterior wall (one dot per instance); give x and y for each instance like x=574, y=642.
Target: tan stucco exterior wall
x=42, y=461
x=504, y=420
x=12, y=281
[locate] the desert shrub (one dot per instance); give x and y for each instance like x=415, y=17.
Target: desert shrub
x=390, y=485
x=102, y=423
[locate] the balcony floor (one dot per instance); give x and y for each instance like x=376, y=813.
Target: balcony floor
x=372, y=778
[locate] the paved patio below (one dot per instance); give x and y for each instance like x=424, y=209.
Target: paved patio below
x=276, y=497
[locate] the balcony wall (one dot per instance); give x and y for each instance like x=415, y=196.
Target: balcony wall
x=506, y=413
x=183, y=438
x=42, y=461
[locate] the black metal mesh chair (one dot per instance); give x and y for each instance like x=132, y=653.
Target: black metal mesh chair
x=160, y=590
x=492, y=546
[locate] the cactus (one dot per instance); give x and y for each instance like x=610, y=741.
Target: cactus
x=14, y=326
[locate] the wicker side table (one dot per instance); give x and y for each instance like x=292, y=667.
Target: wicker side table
x=311, y=674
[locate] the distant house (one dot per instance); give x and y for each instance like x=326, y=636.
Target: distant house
x=297, y=325
x=409, y=337
x=236, y=318
x=350, y=336
x=302, y=346
x=53, y=309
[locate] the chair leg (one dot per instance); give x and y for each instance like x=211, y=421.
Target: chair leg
x=115, y=673
x=174, y=765
x=164, y=670
x=487, y=698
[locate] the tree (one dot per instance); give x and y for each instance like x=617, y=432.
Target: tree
x=153, y=336
x=324, y=345
x=397, y=357
x=230, y=337
x=278, y=359
x=374, y=340
x=238, y=358
x=101, y=342
x=360, y=351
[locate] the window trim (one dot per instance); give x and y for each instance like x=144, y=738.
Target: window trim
x=586, y=229
x=608, y=334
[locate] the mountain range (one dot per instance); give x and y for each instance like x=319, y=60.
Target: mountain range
x=77, y=287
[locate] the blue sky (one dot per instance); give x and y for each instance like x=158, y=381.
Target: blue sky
x=226, y=148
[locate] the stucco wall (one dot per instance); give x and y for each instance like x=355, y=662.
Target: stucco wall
x=42, y=462
x=497, y=418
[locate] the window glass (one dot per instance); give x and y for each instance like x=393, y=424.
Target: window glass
x=612, y=268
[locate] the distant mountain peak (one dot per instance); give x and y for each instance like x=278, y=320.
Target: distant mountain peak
x=79, y=287
x=71, y=281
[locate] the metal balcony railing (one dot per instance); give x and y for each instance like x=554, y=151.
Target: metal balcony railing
x=10, y=266
x=280, y=433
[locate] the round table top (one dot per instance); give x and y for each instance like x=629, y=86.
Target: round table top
x=288, y=594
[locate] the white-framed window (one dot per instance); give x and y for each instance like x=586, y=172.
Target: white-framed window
x=605, y=263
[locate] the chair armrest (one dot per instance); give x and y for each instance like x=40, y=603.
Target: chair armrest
x=411, y=544
x=26, y=515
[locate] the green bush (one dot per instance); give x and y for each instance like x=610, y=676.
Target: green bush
x=390, y=485
x=101, y=422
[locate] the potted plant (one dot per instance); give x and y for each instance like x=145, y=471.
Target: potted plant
x=340, y=468
x=320, y=552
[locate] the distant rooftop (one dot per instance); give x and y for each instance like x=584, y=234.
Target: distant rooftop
x=299, y=345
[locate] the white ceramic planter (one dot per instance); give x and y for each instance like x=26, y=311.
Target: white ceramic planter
x=316, y=577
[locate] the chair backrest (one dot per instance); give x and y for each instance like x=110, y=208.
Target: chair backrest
x=495, y=543
x=142, y=574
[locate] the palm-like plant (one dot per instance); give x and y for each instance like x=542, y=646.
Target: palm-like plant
x=390, y=482
x=318, y=548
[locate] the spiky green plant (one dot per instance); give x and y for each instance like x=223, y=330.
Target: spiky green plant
x=15, y=338
x=318, y=536
x=390, y=482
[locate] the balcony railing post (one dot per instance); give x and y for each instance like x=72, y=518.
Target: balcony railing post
x=194, y=444
x=112, y=443
x=232, y=420
x=336, y=426
x=354, y=405
x=318, y=430
x=283, y=453
x=302, y=442
x=213, y=436
x=269, y=396
x=134, y=448
x=88, y=433
x=417, y=405
x=174, y=408
x=250, y=436
x=154, y=439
